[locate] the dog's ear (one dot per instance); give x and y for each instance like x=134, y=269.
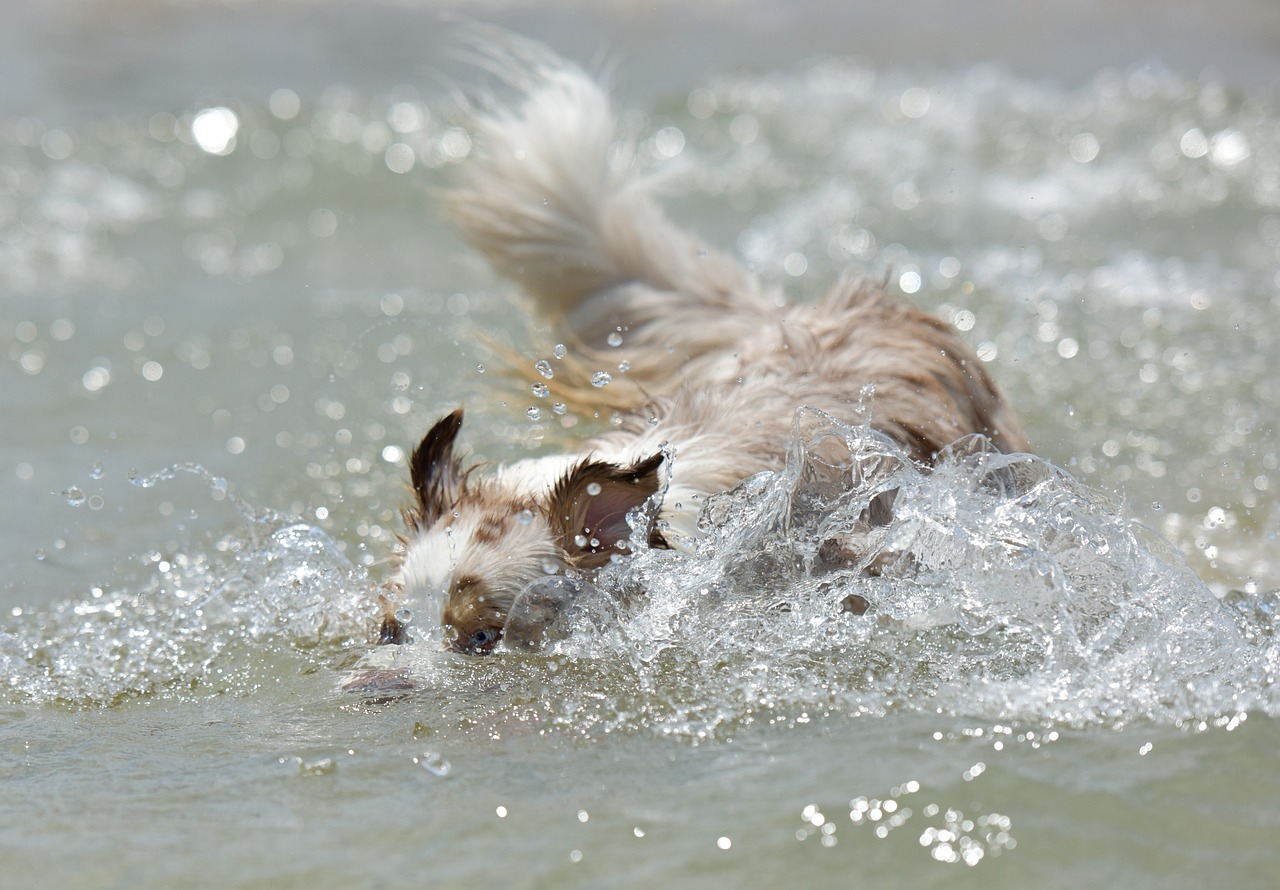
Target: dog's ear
x=435, y=473
x=589, y=507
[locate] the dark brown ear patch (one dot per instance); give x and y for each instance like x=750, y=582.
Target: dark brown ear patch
x=589, y=507
x=435, y=473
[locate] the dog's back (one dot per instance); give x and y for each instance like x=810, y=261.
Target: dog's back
x=550, y=201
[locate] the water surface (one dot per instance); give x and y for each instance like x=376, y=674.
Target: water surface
x=230, y=306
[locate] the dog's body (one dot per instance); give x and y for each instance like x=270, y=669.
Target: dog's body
x=718, y=365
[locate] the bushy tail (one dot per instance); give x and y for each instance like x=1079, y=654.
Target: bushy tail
x=547, y=202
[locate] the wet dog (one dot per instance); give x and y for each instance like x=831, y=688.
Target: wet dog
x=717, y=363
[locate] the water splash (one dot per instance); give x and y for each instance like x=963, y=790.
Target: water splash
x=229, y=617
x=854, y=583
x=219, y=489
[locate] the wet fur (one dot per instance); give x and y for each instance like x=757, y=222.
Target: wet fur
x=719, y=363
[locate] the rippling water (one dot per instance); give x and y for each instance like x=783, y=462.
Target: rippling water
x=225, y=322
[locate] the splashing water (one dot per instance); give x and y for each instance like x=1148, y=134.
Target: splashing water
x=996, y=586
x=849, y=582
x=271, y=595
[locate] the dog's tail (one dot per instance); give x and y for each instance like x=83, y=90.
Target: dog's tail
x=550, y=199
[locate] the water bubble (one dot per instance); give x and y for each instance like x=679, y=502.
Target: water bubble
x=614, y=339
x=560, y=351
x=795, y=263
x=404, y=615
x=74, y=496
x=284, y=104
x=909, y=280
x=534, y=414
x=559, y=408
x=601, y=378
x=915, y=102
x=1084, y=148
x=593, y=488
x=624, y=367
x=524, y=517
x=1194, y=144
x=668, y=142
x=214, y=130
x=1229, y=148
x=434, y=763
x=96, y=472
x=543, y=367
x=540, y=390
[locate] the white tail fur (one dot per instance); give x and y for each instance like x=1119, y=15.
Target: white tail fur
x=582, y=235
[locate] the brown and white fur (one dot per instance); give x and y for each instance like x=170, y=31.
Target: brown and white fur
x=719, y=363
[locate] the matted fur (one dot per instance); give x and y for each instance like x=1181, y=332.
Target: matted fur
x=719, y=364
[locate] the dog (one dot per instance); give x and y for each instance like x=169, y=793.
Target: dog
x=717, y=364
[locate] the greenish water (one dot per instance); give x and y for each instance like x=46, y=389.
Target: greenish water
x=229, y=305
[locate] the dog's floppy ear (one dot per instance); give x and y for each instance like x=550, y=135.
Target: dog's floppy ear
x=589, y=507
x=435, y=473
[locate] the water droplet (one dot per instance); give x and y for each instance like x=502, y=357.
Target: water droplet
x=624, y=366
x=559, y=407
x=74, y=496
x=524, y=517
x=540, y=390
x=543, y=367
x=614, y=339
x=580, y=540
x=593, y=488
x=534, y=414
x=95, y=472
x=601, y=378
x=479, y=369
x=560, y=351
x=404, y=615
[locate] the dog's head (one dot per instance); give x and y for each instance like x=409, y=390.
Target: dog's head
x=475, y=542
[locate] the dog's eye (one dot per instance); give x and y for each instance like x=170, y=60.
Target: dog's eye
x=483, y=639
